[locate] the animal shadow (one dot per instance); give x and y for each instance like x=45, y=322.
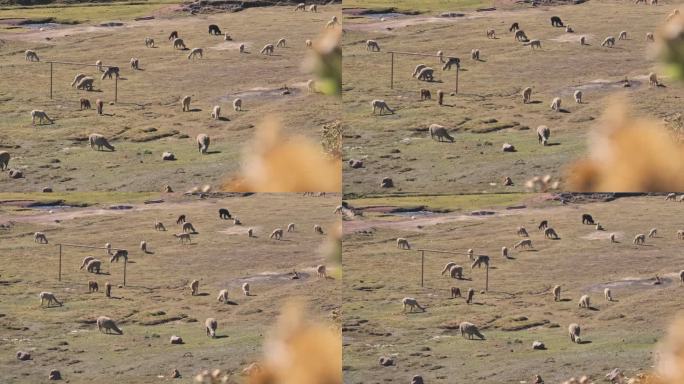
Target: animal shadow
x=213, y=152
x=195, y=110
x=224, y=118
x=202, y=294
x=585, y=342
x=229, y=302
x=220, y=336
x=593, y=309
x=563, y=110
x=564, y=300
x=534, y=102
x=551, y=145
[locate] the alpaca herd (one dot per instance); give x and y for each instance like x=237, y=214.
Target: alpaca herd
x=86, y=82
x=454, y=271
x=424, y=73
x=94, y=267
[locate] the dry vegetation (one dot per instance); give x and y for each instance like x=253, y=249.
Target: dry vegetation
x=147, y=120
x=156, y=301
x=488, y=111
x=519, y=307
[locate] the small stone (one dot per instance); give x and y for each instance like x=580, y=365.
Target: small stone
x=538, y=345
x=386, y=361
x=508, y=147
x=55, y=375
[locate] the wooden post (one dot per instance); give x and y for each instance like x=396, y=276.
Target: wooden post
x=392, y=72
x=125, y=264
x=457, y=70
x=422, y=266
x=60, y=255
x=51, y=87
x=116, y=91
x=487, y=278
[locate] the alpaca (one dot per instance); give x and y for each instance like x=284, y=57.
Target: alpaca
x=417, y=70
x=94, y=266
x=455, y=292
x=447, y=267
x=543, y=134
x=211, y=324
x=118, y=254
x=556, y=21
x=291, y=227
x=557, y=293
x=583, y=40
x=440, y=133
x=402, y=243
x=183, y=237
x=578, y=97
x=587, y=219
x=521, y=36
x=411, y=303
x=584, y=302
x=104, y=322
x=143, y=246
x=504, y=252
x=381, y=105
x=332, y=23
x=85, y=103
x=245, y=289
x=214, y=30
x=99, y=105
x=267, y=49
x=534, y=44
x=425, y=94
x=281, y=43
x=317, y=229
x=608, y=42
x=491, y=34
x=649, y=37
x=452, y=61
x=426, y=74
x=456, y=272
x=308, y=43
x=77, y=78
x=543, y=225
x=475, y=54
x=653, y=233
x=313, y=8
x=321, y=271
x=607, y=294
x=300, y=7
x=470, y=254
x=188, y=227
x=653, y=79
x=98, y=65
x=556, y=104
x=135, y=63
x=568, y=29
x=574, y=331
x=178, y=43
x=30, y=55
x=550, y=233
x=622, y=35
x=85, y=83
x=41, y=116
x=194, y=287
x=522, y=232
x=223, y=296
x=86, y=260
x=639, y=239
x=224, y=214
x=92, y=286
x=185, y=102
x=173, y=35
x=470, y=330
x=440, y=56
x=612, y=238
x=227, y=37
x=4, y=160
x=159, y=226
x=372, y=45
x=237, y=104
x=39, y=237
x=149, y=42
x=216, y=112
x=202, y=143
x=311, y=86
x=111, y=71
x=99, y=141
x=527, y=95
x=527, y=243
x=277, y=234
x=469, y=296
x=50, y=298
x=195, y=52
x=514, y=27
x=440, y=97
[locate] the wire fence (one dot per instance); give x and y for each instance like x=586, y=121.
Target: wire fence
x=62, y=246
x=435, y=264
x=394, y=58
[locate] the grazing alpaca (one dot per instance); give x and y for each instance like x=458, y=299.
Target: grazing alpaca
x=214, y=29
x=111, y=71
x=381, y=105
x=173, y=35
x=41, y=116
x=267, y=49
x=224, y=214
x=85, y=103
x=30, y=55
x=178, y=43
x=237, y=104
x=195, y=52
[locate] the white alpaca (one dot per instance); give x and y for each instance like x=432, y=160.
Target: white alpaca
x=381, y=105
x=277, y=234
x=41, y=116
x=578, y=97
x=411, y=303
x=556, y=104
x=242, y=48
x=281, y=43
x=372, y=45
x=50, y=298
x=237, y=104
x=418, y=68
x=426, y=74
x=608, y=42
x=527, y=95
x=557, y=293
x=77, y=79
x=650, y=37
x=311, y=86
x=210, y=325
x=321, y=271
x=308, y=43
x=332, y=23
x=245, y=289
x=300, y=7
x=267, y=49
x=574, y=331
x=403, y=243
x=30, y=55
x=291, y=227
x=223, y=296
x=195, y=52
x=607, y=294
x=475, y=54
x=135, y=63
x=313, y=8
x=653, y=79
x=149, y=42
x=216, y=112
x=584, y=302
x=622, y=35
x=104, y=322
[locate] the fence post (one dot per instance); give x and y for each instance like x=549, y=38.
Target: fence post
x=116, y=91
x=60, y=259
x=487, y=279
x=51, y=84
x=392, y=72
x=457, y=70
x=125, y=264
x=422, y=266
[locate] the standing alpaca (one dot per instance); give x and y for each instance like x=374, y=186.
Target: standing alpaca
x=178, y=43
x=135, y=63
x=578, y=97
x=185, y=102
x=622, y=35
x=99, y=105
x=194, y=287
x=556, y=104
x=85, y=103
x=521, y=36
x=173, y=35
x=607, y=294
x=321, y=271
x=237, y=104
x=543, y=134
x=557, y=293
x=111, y=71
x=608, y=42
x=203, y=143
x=372, y=45
x=527, y=95
x=245, y=289
x=223, y=296
x=211, y=324
x=574, y=331
x=411, y=303
x=277, y=234
x=4, y=160
x=216, y=112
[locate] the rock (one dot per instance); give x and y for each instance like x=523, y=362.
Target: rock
x=355, y=163
x=417, y=380
x=508, y=147
x=176, y=340
x=55, y=375
x=15, y=174
x=386, y=361
x=538, y=345
x=387, y=183
x=175, y=374
x=168, y=156
x=23, y=356
x=47, y=190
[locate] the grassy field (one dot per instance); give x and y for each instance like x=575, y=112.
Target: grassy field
x=519, y=307
x=156, y=301
x=488, y=111
x=147, y=120
x=419, y=6
x=85, y=13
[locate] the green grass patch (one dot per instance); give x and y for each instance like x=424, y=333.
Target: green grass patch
x=418, y=5
x=82, y=13
x=81, y=198
x=446, y=202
